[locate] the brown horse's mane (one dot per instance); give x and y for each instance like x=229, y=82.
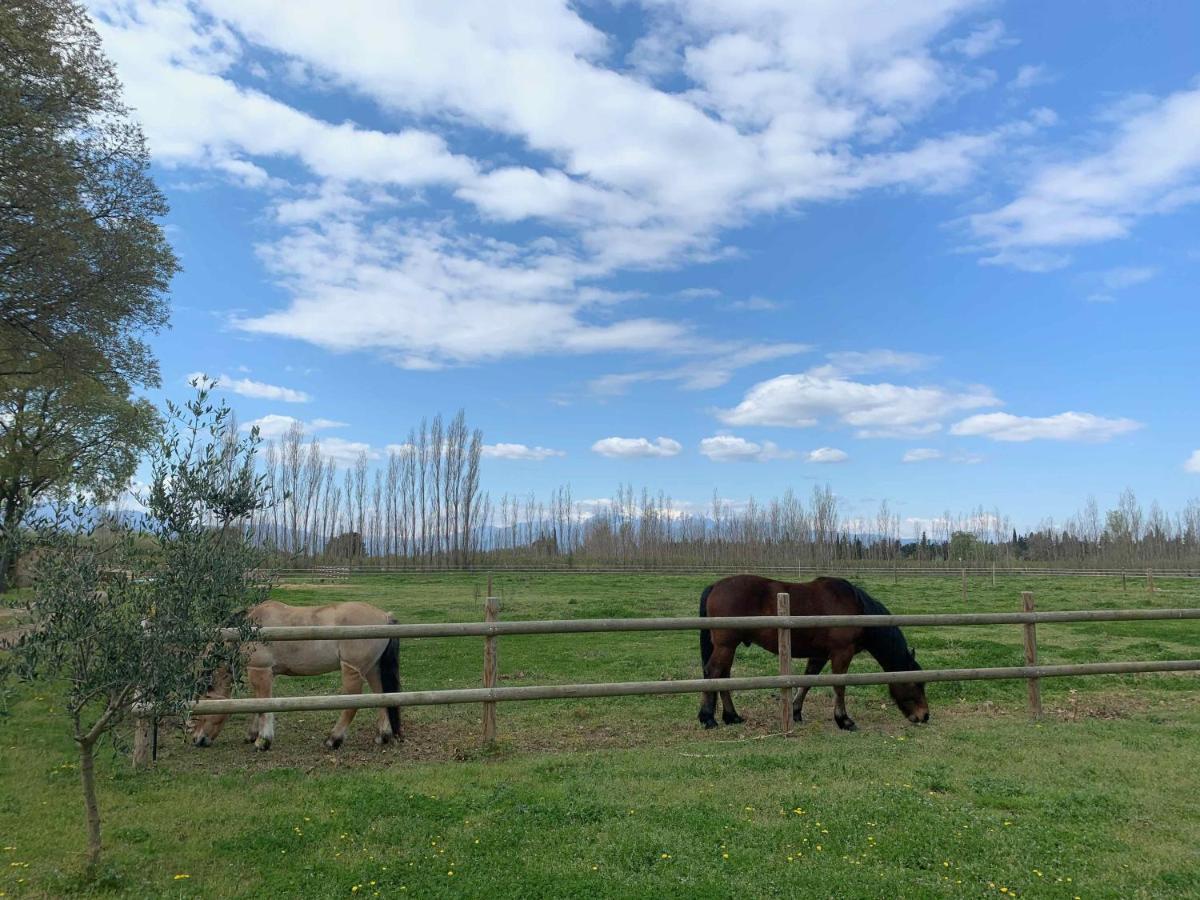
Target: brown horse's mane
x=887, y=643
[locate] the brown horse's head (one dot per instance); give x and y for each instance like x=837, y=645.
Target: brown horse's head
x=910, y=695
x=205, y=729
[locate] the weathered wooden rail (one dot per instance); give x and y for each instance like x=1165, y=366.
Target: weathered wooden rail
x=785, y=681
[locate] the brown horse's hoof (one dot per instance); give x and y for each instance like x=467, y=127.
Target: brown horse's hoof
x=796, y=716
x=333, y=743
x=262, y=745
x=732, y=719
x=709, y=723
x=846, y=724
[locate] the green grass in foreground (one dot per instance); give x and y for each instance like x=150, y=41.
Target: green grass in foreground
x=629, y=797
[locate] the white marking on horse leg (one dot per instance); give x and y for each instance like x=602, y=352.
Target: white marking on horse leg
x=261, y=679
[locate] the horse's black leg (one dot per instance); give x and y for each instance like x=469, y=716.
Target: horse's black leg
x=718, y=666
x=814, y=667
x=728, y=714
x=841, y=665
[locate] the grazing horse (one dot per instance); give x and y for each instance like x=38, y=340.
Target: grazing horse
x=751, y=595
x=373, y=660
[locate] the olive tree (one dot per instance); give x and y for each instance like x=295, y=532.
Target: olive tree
x=128, y=620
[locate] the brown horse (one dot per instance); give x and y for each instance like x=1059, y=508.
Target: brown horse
x=751, y=595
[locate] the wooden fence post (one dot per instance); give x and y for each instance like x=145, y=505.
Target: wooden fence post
x=142, y=738
x=1149, y=581
x=896, y=572
x=1035, y=689
x=491, y=666
x=784, y=608
x=993, y=573
x=1123, y=588
x=964, y=584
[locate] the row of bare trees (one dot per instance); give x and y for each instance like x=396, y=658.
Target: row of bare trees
x=423, y=502
x=423, y=505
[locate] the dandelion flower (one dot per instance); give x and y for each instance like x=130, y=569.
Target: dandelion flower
x=182, y=876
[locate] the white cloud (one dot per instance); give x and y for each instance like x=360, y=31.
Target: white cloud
x=728, y=448
x=1111, y=281
x=1126, y=276
x=1029, y=76
x=628, y=448
x=876, y=410
x=856, y=362
x=982, y=40
x=519, y=451
x=920, y=454
x=1067, y=426
x=1192, y=463
x=827, y=455
x=754, y=304
x=258, y=390
x=1151, y=165
x=274, y=426
x=786, y=104
x=716, y=366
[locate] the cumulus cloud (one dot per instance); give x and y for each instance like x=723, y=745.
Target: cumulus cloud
x=1192, y=463
x=1067, y=426
x=247, y=387
x=728, y=448
x=786, y=105
x=920, y=454
x=827, y=455
x=630, y=448
x=519, y=452
x=875, y=409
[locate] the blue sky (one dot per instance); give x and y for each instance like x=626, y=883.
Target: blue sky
x=940, y=253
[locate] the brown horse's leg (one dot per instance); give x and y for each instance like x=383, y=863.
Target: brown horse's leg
x=841, y=664
x=814, y=667
x=352, y=682
x=724, y=657
x=718, y=666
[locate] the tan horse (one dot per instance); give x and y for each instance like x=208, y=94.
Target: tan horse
x=373, y=660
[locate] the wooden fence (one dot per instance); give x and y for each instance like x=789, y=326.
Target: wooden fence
x=785, y=682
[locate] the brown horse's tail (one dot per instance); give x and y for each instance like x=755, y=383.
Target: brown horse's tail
x=706, y=644
x=389, y=676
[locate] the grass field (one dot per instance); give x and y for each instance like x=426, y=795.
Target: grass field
x=629, y=797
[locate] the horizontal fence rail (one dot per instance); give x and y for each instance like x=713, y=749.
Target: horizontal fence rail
x=701, y=623
x=687, y=686
x=785, y=681
x=866, y=567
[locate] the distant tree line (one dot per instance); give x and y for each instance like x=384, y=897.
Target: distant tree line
x=423, y=506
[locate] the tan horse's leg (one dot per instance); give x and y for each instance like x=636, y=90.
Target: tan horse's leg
x=385, y=727
x=260, y=685
x=352, y=682
x=840, y=663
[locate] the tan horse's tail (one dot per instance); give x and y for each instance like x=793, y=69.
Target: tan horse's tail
x=389, y=675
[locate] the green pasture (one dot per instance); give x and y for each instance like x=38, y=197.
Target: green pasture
x=630, y=797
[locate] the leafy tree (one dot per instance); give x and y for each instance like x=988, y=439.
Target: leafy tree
x=74, y=435
x=118, y=624
x=84, y=265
